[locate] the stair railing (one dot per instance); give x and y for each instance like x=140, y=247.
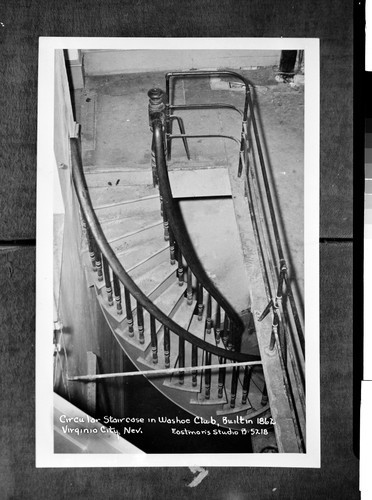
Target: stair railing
x=110, y=271
x=287, y=331
x=181, y=239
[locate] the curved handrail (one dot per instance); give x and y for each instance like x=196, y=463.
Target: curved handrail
x=191, y=73
x=179, y=229
x=85, y=203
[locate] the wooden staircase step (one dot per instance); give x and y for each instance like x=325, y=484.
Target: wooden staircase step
x=239, y=406
x=152, y=284
x=133, y=249
x=110, y=178
x=127, y=226
x=213, y=398
x=141, y=267
x=182, y=315
x=197, y=329
x=141, y=207
x=156, y=280
x=168, y=302
x=108, y=195
x=254, y=399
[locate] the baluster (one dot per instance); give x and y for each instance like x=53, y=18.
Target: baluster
x=117, y=293
x=140, y=324
x=194, y=362
x=165, y=224
x=200, y=302
x=97, y=254
x=106, y=272
x=217, y=326
x=189, y=286
x=209, y=314
x=90, y=245
x=234, y=385
x=128, y=310
x=172, y=249
x=226, y=329
x=166, y=347
x=230, y=339
x=221, y=377
x=154, y=340
x=208, y=374
x=180, y=267
x=181, y=359
x=265, y=397
x=246, y=384
x=161, y=205
x=155, y=179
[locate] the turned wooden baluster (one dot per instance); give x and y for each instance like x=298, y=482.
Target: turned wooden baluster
x=189, y=286
x=209, y=315
x=234, y=385
x=180, y=267
x=221, y=377
x=154, y=340
x=208, y=374
x=106, y=272
x=117, y=293
x=231, y=337
x=165, y=224
x=156, y=108
x=128, y=310
x=90, y=246
x=194, y=362
x=217, y=326
x=226, y=330
x=246, y=384
x=98, y=262
x=181, y=358
x=172, y=249
x=141, y=329
x=200, y=301
x=155, y=179
x=166, y=347
x=89, y=237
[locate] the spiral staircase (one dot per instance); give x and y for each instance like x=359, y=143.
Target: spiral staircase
x=169, y=253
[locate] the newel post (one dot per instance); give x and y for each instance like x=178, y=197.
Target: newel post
x=156, y=111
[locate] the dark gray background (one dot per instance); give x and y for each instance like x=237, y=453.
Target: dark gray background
x=22, y=23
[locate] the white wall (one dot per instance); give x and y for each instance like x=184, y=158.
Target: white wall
x=106, y=62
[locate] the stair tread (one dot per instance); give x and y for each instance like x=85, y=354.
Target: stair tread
x=133, y=249
x=167, y=302
x=144, y=207
x=151, y=279
x=107, y=195
x=105, y=178
x=213, y=396
x=116, y=229
x=153, y=283
x=196, y=328
x=182, y=316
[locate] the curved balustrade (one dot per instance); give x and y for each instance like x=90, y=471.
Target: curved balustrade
x=118, y=283
x=184, y=244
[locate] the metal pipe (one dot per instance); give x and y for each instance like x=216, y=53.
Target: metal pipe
x=165, y=371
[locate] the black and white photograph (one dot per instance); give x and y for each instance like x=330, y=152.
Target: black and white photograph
x=185, y=249
x=180, y=235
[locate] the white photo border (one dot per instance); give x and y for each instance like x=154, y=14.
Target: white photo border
x=45, y=456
